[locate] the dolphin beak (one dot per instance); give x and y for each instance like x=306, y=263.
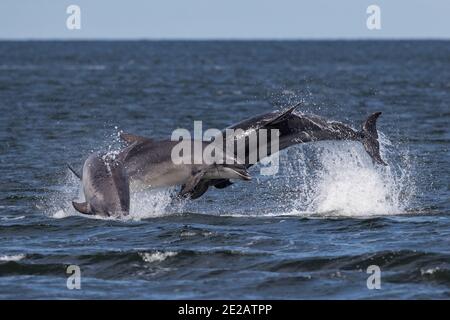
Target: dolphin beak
x=243, y=174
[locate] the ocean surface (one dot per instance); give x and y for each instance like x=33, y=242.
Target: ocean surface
x=309, y=232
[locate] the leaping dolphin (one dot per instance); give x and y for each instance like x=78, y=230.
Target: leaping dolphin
x=105, y=185
x=149, y=161
x=301, y=128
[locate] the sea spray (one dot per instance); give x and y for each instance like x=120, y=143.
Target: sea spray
x=154, y=203
x=340, y=179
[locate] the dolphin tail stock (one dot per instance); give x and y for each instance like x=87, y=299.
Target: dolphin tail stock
x=369, y=138
x=76, y=174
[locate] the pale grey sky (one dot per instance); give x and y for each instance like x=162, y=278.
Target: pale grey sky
x=224, y=19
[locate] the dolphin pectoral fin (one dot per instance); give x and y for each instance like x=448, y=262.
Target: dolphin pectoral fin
x=81, y=207
x=286, y=113
x=199, y=189
x=76, y=174
x=188, y=188
x=131, y=138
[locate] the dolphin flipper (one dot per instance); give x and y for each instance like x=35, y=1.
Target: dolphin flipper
x=189, y=188
x=223, y=183
x=201, y=187
x=81, y=207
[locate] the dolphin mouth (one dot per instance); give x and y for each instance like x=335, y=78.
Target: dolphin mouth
x=243, y=174
x=237, y=171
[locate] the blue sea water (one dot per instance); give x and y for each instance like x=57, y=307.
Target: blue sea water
x=309, y=232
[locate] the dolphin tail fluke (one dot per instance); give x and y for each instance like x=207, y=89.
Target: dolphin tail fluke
x=369, y=138
x=81, y=207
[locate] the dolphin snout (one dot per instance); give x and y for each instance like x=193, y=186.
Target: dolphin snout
x=243, y=173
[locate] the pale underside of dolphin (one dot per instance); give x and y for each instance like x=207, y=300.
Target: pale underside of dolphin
x=148, y=163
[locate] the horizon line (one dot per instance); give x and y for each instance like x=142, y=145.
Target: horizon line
x=138, y=39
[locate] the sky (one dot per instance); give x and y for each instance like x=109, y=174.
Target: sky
x=225, y=19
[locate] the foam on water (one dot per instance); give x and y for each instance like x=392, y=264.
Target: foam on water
x=58, y=203
x=153, y=203
x=343, y=181
x=8, y=258
x=157, y=256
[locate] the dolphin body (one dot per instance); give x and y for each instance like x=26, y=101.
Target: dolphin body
x=105, y=185
x=150, y=164
x=300, y=128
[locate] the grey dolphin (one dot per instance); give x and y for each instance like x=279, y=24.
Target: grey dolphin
x=149, y=164
x=105, y=185
x=301, y=128
x=293, y=129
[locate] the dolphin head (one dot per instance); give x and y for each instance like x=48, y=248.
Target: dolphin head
x=228, y=171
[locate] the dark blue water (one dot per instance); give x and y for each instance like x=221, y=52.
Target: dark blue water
x=311, y=231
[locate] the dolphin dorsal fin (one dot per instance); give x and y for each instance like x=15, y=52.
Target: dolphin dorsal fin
x=284, y=114
x=81, y=207
x=131, y=138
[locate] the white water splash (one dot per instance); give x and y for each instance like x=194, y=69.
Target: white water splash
x=345, y=182
x=58, y=203
x=153, y=203
x=157, y=256
x=8, y=258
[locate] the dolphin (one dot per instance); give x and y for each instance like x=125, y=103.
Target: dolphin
x=105, y=185
x=301, y=128
x=149, y=163
x=293, y=129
